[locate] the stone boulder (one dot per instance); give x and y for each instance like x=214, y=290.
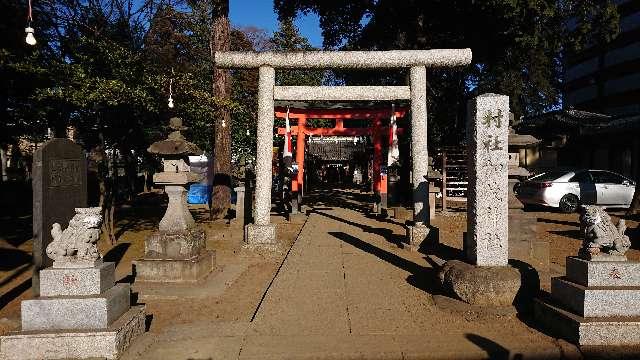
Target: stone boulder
x=481, y=285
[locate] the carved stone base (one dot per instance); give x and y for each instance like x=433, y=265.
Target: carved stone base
x=481, y=285
x=108, y=343
x=78, y=312
x=559, y=322
x=176, y=245
x=603, y=257
x=260, y=235
x=603, y=273
x=421, y=236
x=177, y=217
x=175, y=270
x=75, y=263
x=77, y=282
x=609, y=301
x=604, y=312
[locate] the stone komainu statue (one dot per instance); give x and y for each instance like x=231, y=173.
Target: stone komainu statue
x=602, y=239
x=78, y=241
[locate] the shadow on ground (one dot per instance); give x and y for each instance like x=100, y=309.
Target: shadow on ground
x=15, y=212
x=144, y=213
x=387, y=234
x=424, y=278
x=116, y=253
x=346, y=198
x=13, y=258
x=494, y=350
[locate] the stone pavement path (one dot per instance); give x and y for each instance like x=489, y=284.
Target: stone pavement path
x=348, y=290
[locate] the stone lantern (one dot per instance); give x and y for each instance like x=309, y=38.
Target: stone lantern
x=432, y=176
x=516, y=143
x=177, y=251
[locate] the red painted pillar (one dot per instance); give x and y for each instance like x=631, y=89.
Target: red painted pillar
x=298, y=182
x=300, y=142
x=377, y=135
x=377, y=154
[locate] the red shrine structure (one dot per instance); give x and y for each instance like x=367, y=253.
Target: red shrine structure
x=381, y=136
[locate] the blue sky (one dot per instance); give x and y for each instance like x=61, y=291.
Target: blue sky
x=260, y=13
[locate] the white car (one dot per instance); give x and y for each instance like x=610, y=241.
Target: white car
x=569, y=189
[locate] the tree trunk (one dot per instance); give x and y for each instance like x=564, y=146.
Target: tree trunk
x=111, y=198
x=3, y=163
x=222, y=123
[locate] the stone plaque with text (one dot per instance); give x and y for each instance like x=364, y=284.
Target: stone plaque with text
x=59, y=186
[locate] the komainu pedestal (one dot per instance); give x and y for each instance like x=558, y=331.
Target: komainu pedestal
x=598, y=301
x=81, y=312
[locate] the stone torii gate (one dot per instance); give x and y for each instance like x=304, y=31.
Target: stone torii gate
x=262, y=233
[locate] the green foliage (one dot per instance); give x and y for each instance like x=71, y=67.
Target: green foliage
x=519, y=46
x=109, y=77
x=287, y=38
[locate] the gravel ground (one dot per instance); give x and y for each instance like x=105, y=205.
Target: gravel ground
x=229, y=315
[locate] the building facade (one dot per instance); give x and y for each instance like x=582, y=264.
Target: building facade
x=606, y=79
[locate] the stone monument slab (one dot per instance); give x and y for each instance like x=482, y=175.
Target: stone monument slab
x=78, y=281
x=240, y=210
x=487, y=199
x=59, y=186
x=488, y=279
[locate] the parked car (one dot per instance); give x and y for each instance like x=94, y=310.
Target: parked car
x=569, y=189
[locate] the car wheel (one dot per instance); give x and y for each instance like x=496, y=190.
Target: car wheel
x=569, y=203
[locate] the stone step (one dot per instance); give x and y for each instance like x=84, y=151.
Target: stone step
x=586, y=331
x=602, y=301
x=603, y=273
x=77, y=282
x=78, y=312
x=108, y=343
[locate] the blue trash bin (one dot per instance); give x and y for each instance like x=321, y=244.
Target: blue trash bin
x=199, y=194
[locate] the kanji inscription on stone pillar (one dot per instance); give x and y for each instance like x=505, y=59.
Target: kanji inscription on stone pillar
x=487, y=197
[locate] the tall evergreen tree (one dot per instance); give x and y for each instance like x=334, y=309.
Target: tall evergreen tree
x=220, y=41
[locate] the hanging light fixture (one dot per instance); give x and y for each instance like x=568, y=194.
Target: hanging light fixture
x=30, y=39
x=171, y=92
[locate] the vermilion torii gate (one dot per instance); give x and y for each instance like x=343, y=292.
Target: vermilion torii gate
x=376, y=130
x=262, y=233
